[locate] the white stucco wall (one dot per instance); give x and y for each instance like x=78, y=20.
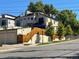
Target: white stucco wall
x=63, y=38
x=32, y=40
x=23, y=31
x=47, y=20
x=44, y=39
x=56, y=39
x=41, y=39
x=11, y=24
x=54, y=22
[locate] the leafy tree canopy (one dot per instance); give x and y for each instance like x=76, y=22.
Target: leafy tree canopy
x=61, y=29
x=39, y=6
x=69, y=30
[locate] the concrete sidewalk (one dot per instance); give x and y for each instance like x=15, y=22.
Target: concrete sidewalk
x=7, y=48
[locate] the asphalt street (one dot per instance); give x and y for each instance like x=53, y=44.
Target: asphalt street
x=66, y=50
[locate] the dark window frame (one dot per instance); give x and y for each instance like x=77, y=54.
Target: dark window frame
x=31, y=18
x=3, y=22
x=18, y=23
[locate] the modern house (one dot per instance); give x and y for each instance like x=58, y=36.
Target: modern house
x=7, y=21
x=37, y=19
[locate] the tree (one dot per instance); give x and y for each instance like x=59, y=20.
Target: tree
x=39, y=6
x=69, y=30
x=50, y=29
x=61, y=30
x=32, y=7
x=50, y=24
x=71, y=17
x=50, y=32
x=76, y=28
x=67, y=17
x=54, y=11
x=49, y=9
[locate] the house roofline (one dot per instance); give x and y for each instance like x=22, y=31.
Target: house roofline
x=9, y=15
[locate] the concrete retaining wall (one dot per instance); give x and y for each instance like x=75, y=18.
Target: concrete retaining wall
x=23, y=31
x=39, y=39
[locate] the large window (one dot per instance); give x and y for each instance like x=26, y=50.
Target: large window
x=3, y=22
x=18, y=23
x=41, y=20
x=31, y=18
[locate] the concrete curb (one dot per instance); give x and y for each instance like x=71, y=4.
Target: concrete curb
x=57, y=43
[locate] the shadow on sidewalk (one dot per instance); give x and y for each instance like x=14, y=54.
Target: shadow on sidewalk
x=74, y=57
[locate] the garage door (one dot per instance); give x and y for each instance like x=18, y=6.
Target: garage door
x=8, y=36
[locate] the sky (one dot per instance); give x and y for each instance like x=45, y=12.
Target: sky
x=17, y=7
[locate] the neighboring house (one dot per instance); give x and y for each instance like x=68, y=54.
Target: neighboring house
x=37, y=19
x=7, y=21
x=10, y=36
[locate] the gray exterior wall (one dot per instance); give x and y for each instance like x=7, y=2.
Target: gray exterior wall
x=8, y=36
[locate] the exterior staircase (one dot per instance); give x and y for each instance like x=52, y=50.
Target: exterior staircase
x=27, y=37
